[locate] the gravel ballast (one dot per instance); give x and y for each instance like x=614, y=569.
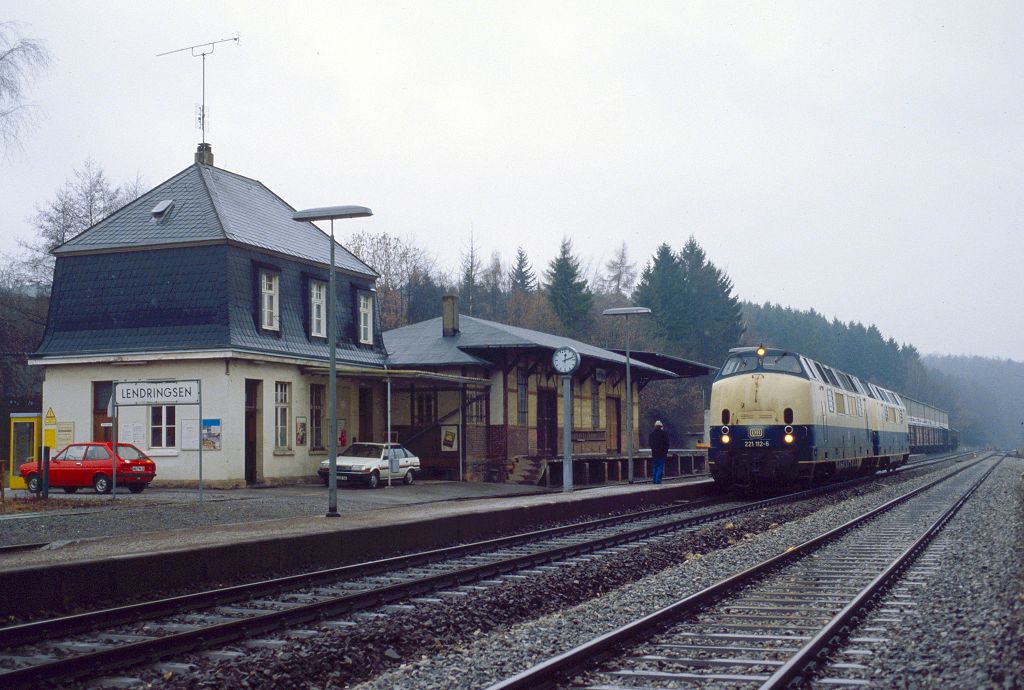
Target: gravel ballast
x=473, y=640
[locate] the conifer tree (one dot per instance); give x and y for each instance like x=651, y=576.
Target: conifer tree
x=522, y=278
x=567, y=291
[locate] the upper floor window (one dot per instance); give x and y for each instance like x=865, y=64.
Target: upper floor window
x=270, y=301
x=365, y=318
x=318, y=308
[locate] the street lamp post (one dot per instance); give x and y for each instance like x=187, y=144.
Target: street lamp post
x=331, y=213
x=627, y=312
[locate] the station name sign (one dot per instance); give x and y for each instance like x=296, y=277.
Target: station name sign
x=156, y=393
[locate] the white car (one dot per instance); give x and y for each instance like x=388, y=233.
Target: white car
x=371, y=463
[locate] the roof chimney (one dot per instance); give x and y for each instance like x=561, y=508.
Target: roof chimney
x=449, y=315
x=204, y=154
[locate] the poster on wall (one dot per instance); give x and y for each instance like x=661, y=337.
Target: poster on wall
x=131, y=432
x=189, y=434
x=65, y=434
x=450, y=437
x=300, y=431
x=211, y=434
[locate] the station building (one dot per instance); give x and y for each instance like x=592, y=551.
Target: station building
x=508, y=408
x=207, y=278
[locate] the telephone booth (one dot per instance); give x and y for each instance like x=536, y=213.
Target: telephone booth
x=26, y=437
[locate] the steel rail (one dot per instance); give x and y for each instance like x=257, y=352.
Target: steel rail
x=36, y=631
x=177, y=643
x=806, y=661
x=547, y=673
x=165, y=646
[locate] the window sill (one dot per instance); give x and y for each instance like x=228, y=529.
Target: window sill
x=284, y=451
x=319, y=452
x=163, y=452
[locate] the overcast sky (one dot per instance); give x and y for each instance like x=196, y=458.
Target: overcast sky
x=861, y=158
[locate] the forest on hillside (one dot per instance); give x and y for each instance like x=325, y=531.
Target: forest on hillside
x=990, y=392
x=695, y=315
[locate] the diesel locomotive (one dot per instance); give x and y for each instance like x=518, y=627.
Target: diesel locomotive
x=780, y=419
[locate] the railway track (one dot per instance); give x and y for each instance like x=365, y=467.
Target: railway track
x=771, y=624
x=102, y=641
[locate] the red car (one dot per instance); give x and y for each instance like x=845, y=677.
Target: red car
x=89, y=464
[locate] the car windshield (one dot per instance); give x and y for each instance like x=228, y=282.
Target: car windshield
x=363, y=450
x=129, y=452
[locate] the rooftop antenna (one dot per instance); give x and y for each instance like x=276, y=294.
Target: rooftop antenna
x=204, y=49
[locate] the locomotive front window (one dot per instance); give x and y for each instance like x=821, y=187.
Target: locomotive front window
x=787, y=363
x=746, y=362
x=737, y=364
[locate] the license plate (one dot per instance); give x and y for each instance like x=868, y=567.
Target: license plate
x=342, y=478
x=138, y=469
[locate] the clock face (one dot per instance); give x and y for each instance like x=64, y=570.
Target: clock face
x=565, y=360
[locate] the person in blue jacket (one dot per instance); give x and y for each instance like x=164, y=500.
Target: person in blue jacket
x=658, y=442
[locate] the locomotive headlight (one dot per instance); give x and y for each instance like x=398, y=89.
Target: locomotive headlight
x=788, y=438
x=725, y=438
x=760, y=350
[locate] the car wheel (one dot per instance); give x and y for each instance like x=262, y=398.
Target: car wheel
x=101, y=484
x=70, y=489
x=33, y=483
x=408, y=478
x=136, y=488
x=374, y=481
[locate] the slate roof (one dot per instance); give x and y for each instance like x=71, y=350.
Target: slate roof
x=181, y=298
x=188, y=280
x=422, y=344
x=213, y=205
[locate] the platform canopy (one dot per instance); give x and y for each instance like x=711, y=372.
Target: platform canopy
x=684, y=368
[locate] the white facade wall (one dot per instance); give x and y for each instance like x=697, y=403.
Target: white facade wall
x=68, y=389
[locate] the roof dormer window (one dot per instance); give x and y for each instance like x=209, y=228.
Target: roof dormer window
x=269, y=301
x=162, y=209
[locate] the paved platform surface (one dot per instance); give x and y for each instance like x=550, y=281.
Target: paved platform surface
x=96, y=525
x=173, y=520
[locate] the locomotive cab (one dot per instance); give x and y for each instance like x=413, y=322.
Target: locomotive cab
x=762, y=418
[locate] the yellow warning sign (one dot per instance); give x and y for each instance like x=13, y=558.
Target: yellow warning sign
x=51, y=418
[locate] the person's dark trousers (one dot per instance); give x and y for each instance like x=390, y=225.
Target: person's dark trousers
x=658, y=470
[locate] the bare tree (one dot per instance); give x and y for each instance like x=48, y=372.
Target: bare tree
x=621, y=274
x=86, y=198
x=493, y=290
x=21, y=60
x=396, y=260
